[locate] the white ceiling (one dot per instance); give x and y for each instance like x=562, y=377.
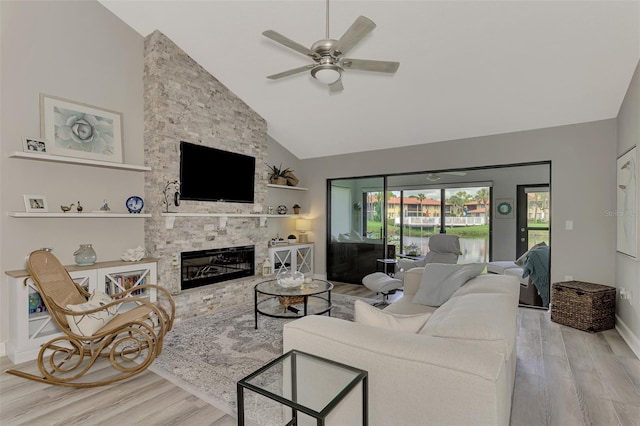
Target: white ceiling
x=467, y=68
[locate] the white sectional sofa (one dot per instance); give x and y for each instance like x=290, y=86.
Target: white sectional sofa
x=459, y=369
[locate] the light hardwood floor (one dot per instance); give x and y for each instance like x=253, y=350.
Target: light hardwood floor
x=563, y=377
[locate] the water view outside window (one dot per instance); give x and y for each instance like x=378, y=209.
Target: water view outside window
x=414, y=215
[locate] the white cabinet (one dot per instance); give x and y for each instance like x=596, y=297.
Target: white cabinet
x=30, y=324
x=292, y=257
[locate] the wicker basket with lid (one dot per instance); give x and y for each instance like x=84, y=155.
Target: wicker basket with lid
x=582, y=305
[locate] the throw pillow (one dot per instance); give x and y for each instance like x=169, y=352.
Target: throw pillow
x=374, y=317
x=441, y=280
x=520, y=261
x=86, y=325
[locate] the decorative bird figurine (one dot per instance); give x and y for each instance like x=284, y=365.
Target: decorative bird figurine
x=66, y=208
x=79, y=208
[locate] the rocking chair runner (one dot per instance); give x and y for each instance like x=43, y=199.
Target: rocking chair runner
x=130, y=341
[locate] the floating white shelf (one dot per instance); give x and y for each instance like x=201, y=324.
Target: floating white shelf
x=71, y=160
x=79, y=215
x=294, y=188
x=171, y=217
x=227, y=215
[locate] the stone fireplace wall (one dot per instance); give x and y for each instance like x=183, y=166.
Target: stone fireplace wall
x=183, y=102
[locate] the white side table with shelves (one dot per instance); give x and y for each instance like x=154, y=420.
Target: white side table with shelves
x=292, y=257
x=30, y=324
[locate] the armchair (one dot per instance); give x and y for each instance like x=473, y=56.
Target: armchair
x=443, y=248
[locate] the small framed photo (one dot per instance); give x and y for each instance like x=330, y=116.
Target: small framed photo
x=35, y=203
x=34, y=145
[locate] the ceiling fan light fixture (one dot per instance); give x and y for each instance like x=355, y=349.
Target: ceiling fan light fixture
x=327, y=73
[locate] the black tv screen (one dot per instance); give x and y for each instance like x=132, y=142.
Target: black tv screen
x=210, y=174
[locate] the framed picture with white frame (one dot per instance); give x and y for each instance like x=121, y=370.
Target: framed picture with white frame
x=78, y=130
x=35, y=203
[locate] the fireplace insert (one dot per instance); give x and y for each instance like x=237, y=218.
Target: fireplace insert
x=211, y=266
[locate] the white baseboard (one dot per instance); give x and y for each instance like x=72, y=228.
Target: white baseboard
x=628, y=336
x=3, y=351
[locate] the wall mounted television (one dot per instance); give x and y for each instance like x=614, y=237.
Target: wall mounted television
x=210, y=174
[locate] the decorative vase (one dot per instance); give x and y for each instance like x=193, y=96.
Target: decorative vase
x=85, y=255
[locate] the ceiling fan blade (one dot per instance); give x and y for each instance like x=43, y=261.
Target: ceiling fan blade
x=290, y=72
x=290, y=43
x=356, y=32
x=336, y=86
x=367, y=65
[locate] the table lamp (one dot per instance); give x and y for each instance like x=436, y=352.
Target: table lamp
x=303, y=225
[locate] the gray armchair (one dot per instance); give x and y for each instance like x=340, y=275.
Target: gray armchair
x=443, y=248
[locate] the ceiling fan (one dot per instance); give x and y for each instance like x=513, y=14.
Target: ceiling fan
x=434, y=177
x=328, y=54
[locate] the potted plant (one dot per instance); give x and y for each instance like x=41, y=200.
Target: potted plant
x=292, y=180
x=291, y=238
x=277, y=175
x=296, y=209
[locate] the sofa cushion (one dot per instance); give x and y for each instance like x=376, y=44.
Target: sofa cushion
x=490, y=283
x=489, y=317
x=517, y=272
x=374, y=317
x=441, y=280
x=500, y=266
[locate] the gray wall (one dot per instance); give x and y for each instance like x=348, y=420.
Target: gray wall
x=582, y=175
x=627, y=269
x=78, y=51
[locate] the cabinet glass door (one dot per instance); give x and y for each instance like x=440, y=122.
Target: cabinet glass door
x=40, y=322
x=119, y=279
x=304, y=259
x=282, y=260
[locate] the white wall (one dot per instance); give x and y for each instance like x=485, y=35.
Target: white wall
x=82, y=52
x=628, y=269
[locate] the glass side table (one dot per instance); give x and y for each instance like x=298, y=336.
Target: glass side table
x=306, y=383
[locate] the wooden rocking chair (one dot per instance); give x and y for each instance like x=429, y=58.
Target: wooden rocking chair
x=130, y=340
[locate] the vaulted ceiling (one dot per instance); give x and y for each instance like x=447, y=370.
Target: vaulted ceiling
x=467, y=68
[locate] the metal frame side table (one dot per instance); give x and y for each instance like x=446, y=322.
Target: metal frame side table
x=282, y=379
